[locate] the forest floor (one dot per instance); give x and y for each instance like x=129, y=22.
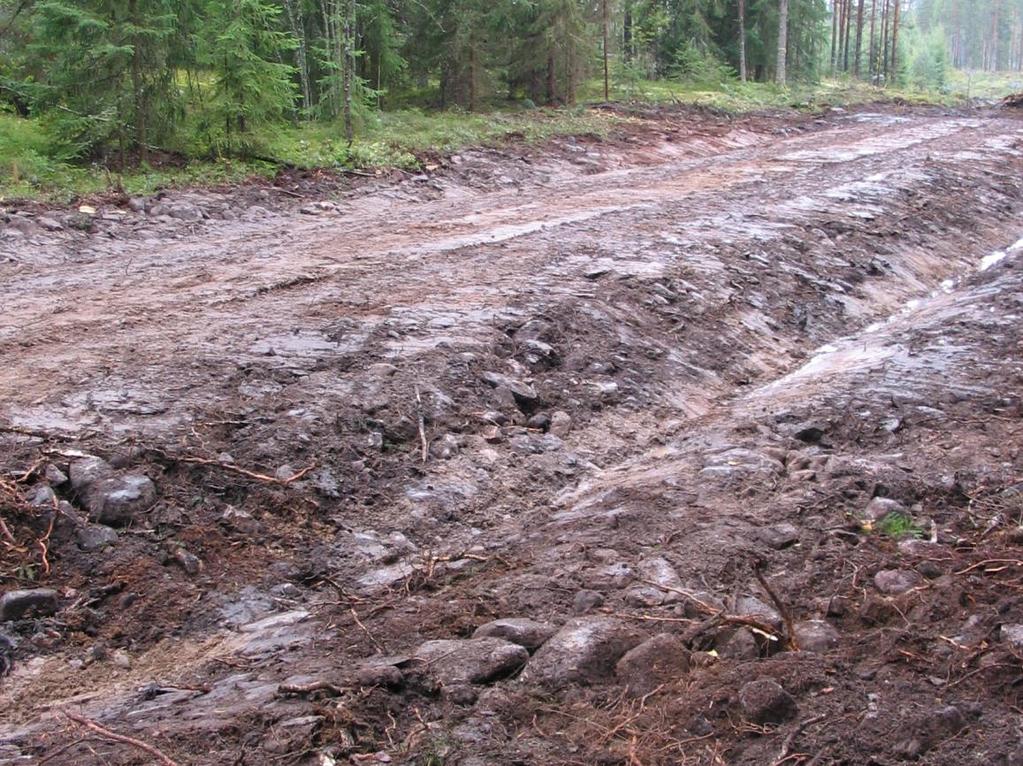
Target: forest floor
x=696, y=444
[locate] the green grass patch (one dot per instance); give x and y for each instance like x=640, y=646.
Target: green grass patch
x=899, y=526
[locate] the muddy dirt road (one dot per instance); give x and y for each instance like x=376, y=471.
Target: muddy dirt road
x=696, y=445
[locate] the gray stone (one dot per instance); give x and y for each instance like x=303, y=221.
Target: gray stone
x=658, y=570
x=765, y=701
x=586, y=601
x=880, y=507
x=188, y=561
x=137, y=205
x=117, y=499
x=379, y=674
x=519, y=630
x=779, y=536
x=474, y=660
x=584, y=651
x=816, y=636
x=521, y=391
x=750, y=606
x=644, y=596
x=539, y=422
x=561, y=424
x=89, y=470
x=54, y=475
x=893, y=582
x=740, y=645
x=41, y=496
x=50, y=224
x=654, y=662
x=1012, y=635
x=16, y=604
x=92, y=537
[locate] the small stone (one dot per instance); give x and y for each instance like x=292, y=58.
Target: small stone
x=93, y=537
x=740, y=645
x=188, y=561
x=462, y=695
x=643, y=596
x=493, y=434
x=656, y=661
x=375, y=440
x=1012, y=635
x=284, y=472
x=584, y=651
x=561, y=424
x=41, y=496
x=816, y=636
x=522, y=392
x=539, y=422
x=880, y=507
x=765, y=701
x=519, y=630
x=16, y=604
x=120, y=658
x=750, y=606
x=50, y=224
x=779, y=536
x=586, y=601
x=137, y=205
x=893, y=582
x=474, y=660
x=54, y=475
x=387, y=676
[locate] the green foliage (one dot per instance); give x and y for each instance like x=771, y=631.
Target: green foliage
x=899, y=526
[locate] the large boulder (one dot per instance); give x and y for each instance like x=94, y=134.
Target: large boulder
x=472, y=661
x=519, y=630
x=656, y=661
x=584, y=651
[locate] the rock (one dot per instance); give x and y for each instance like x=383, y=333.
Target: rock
x=519, y=630
x=50, y=224
x=137, y=205
x=182, y=211
x=561, y=424
x=1012, y=635
x=654, y=662
x=750, y=606
x=740, y=645
x=523, y=393
x=54, y=475
x=586, y=601
x=765, y=701
x=929, y=729
x=779, y=536
x=111, y=497
x=658, y=570
x=880, y=507
x=584, y=651
x=644, y=596
x=379, y=674
x=93, y=537
x=188, y=561
x=893, y=582
x=16, y=604
x=445, y=447
x=606, y=389
x=816, y=636
x=540, y=422
x=474, y=660
x=41, y=496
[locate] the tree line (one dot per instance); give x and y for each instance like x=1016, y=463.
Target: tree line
x=132, y=74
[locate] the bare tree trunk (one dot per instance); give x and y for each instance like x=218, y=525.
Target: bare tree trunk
x=783, y=41
x=138, y=86
x=834, y=35
x=348, y=67
x=895, y=41
x=743, y=75
x=859, y=39
x=606, y=18
x=872, y=57
x=848, y=30
x=301, y=59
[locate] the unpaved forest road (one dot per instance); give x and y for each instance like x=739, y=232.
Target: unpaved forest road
x=583, y=385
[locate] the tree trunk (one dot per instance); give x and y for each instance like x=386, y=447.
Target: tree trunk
x=743, y=75
x=627, y=32
x=301, y=59
x=348, y=67
x=895, y=40
x=872, y=53
x=859, y=39
x=848, y=30
x=834, y=35
x=138, y=86
x=783, y=41
x=606, y=18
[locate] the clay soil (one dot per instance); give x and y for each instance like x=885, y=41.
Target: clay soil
x=383, y=411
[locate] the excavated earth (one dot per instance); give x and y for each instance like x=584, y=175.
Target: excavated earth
x=699, y=444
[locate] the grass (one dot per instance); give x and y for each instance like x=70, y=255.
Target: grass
x=31, y=167
x=899, y=526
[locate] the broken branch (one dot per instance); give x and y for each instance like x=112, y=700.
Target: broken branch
x=113, y=736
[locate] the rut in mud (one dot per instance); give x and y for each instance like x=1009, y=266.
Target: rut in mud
x=700, y=445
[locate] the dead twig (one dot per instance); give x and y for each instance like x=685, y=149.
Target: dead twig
x=786, y=615
x=230, y=468
x=783, y=754
x=422, y=426
x=113, y=736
